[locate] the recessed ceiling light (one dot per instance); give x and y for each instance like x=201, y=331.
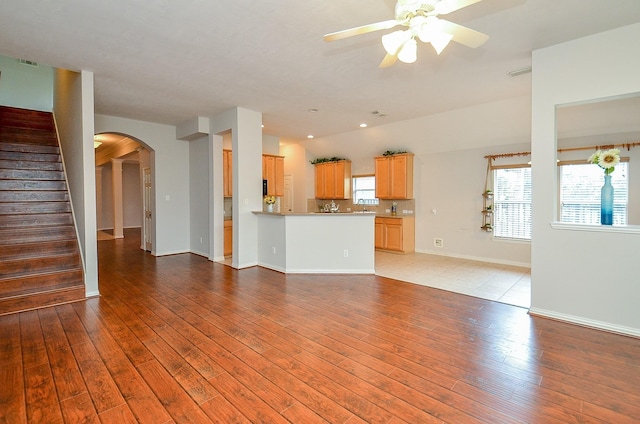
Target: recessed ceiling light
x=310, y=136
x=363, y=125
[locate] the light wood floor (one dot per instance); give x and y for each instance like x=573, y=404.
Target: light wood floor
x=181, y=339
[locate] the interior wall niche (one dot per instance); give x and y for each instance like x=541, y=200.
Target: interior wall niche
x=600, y=124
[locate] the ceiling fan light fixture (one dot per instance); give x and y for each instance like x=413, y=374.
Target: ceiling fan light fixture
x=440, y=40
x=409, y=51
x=395, y=41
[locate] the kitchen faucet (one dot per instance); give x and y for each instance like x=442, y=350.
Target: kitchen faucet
x=364, y=205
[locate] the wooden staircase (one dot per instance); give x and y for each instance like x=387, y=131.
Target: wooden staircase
x=39, y=254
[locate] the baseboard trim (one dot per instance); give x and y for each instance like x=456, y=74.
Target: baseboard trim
x=585, y=322
x=475, y=258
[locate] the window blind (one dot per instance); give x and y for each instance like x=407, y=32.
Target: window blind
x=580, y=186
x=512, y=203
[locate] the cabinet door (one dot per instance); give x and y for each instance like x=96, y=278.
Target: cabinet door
x=329, y=180
x=382, y=178
x=379, y=234
x=227, y=172
x=393, y=234
x=319, y=180
x=228, y=238
x=268, y=173
x=278, y=176
x=398, y=181
x=338, y=180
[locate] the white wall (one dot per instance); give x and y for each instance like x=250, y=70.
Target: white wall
x=170, y=179
x=26, y=86
x=296, y=165
x=449, y=171
x=584, y=275
x=131, y=197
x=73, y=111
x=199, y=195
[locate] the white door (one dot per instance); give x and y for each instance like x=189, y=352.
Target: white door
x=287, y=201
x=148, y=219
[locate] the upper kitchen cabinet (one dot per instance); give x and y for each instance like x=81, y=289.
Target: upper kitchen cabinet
x=273, y=172
x=394, y=176
x=333, y=180
x=227, y=173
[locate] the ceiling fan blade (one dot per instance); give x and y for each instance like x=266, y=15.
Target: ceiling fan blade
x=463, y=35
x=360, y=30
x=388, y=60
x=448, y=6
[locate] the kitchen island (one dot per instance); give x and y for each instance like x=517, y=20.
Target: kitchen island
x=316, y=242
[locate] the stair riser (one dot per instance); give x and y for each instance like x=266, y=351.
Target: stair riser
x=34, y=235
x=40, y=282
x=22, y=118
x=29, y=165
x=16, y=221
x=21, y=135
x=24, y=267
x=10, y=174
x=31, y=157
x=29, y=148
x=33, y=196
x=36, y=207
x=32, y=185
x=41, y=300
x=31, y=250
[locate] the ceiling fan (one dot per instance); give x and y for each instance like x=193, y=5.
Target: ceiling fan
x=420, y=17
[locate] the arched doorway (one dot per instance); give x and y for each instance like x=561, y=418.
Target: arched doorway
x=124, y=187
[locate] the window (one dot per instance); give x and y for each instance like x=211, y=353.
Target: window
x=364, y=190
x=512, y=203
x=580, y=193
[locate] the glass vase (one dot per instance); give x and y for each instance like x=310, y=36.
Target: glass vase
x=270, y=208
x=606, y=202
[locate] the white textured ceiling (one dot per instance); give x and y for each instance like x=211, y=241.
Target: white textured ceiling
x=168, y=61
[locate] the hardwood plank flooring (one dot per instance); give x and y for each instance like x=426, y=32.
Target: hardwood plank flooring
x=181, y=339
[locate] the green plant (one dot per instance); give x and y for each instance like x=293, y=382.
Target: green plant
x=322, y=160
x=393, y=152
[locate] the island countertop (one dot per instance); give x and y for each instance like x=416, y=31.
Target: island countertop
x=311, y=242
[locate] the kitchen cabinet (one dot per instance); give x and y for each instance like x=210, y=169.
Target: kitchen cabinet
x=394, y=176
x=273, y=172
x=395, y=234
x=228, y=237
x=333, y=180
x=227, y=164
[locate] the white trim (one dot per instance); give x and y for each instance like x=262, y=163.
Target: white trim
x=177, y=252
x=625, y=229
x=203, y=254
x=599, y=325
x=475, y=258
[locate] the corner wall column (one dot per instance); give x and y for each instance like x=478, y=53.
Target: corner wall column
x=118, y=209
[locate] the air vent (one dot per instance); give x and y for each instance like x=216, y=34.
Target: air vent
x=517, y=72
x=28, y=62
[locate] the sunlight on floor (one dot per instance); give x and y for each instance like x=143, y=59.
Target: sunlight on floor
x=502, y=283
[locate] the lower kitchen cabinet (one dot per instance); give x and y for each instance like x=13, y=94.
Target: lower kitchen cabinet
x=395, y=234
x=228, y=237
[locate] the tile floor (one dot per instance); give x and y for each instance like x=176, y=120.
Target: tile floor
x=502, y=283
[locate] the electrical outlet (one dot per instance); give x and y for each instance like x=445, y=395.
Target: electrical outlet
x=274, y=250
x=346, y=253
x=437, y=242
